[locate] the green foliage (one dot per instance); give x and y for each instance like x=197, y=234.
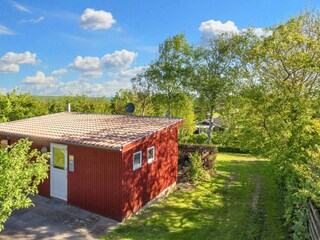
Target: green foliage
x=195, y=169
x=216, y=68
x=119, y=101
x=171, y=69
x=184, y=108
x=195, y=138
x=15, y=106
x=21, y=171
x=142, y=87
x=79, y=103
x=276, y=110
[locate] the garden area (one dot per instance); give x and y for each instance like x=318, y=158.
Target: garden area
x=240, y=201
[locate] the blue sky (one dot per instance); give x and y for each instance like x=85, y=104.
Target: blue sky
x=96, y=47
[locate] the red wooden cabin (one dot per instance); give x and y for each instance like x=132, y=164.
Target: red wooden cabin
x=108, y=164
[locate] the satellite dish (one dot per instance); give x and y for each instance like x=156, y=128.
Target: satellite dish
x=129, y=108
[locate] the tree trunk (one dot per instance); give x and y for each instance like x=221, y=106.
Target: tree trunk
x=143, y=106
x=210, y=125
x=169, y=105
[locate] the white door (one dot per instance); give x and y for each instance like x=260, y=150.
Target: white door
x=58, y=171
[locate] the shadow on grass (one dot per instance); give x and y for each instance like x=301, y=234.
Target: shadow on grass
x=219, y=208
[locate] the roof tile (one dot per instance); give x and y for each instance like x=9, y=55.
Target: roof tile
x=100, y=130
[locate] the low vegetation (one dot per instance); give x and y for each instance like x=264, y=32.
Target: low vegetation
x=241, y=201
x=21, y=171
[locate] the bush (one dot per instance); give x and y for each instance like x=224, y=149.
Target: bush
x=209, y=162
x=232, y=150
x=195, y=166
x=195, y=138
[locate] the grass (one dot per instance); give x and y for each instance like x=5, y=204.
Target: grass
x=240, y=202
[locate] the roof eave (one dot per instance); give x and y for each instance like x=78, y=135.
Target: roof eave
x=61, y=141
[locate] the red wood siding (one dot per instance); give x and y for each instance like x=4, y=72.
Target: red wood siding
x=142, y=185
x=104, y=181
x=95, y=185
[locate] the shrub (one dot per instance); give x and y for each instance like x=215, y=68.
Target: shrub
x=195, y=166
x=195, y=138
x=209, y=162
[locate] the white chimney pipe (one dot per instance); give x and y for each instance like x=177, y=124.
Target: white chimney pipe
x=68, y=107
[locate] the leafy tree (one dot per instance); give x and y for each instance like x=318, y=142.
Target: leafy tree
x=119, y=101
x=21, y=171
x=217, y=67
x=79, y=103
x=276, y=113
x=142, y=87
x=15, y=106
x=184, y=108
x=172, y=68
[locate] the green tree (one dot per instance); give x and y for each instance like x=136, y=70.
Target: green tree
x=119, y=101
x=184, y=108
x=142, y=88
x=21, y=171
x=171, y=69
x=15, y=106
x=276, y=113
x=217, y=66
x=79, y=103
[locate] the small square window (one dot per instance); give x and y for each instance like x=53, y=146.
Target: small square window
x=137, y=160
x=151, y=154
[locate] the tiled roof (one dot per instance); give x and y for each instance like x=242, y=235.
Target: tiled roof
x=100, y=130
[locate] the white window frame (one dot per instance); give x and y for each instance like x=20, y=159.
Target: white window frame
x=150, y=160
x=137, y=166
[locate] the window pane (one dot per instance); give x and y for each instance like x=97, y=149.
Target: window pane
x=136, y=159
x=58, y=157
x=150, y=154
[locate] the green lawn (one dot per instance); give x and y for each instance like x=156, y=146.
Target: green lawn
x=240, y=202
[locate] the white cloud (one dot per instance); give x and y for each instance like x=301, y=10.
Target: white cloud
x=5, y=31
x=39, y=78
x=10, y=61
x=41, y=89
x=93, y=67
x=5, y=90
x=40, y=84
x=218, y=27
x=6, y=68
x=19, y=58
x=118, y=59
x=91, y=74
x=106, y=89
x=86, y=63
x=37, y=20
x=33, y=20
x=94, y=20
x=20, y=7
x=125, y=75
x=261, y=32
x=211, y=28
x=60, y=71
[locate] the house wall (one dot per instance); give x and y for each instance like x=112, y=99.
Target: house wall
x=95, y=185
x=44, y=188
x=142, y=185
